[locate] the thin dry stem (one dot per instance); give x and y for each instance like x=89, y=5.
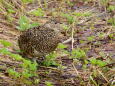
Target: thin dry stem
x=103, y=76
x=75, y=69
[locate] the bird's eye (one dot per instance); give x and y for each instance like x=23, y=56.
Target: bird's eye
x=55, y=22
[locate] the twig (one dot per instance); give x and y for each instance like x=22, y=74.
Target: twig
x=10, y=63
x=49, y=67
x=72, y=33
x=72, y=38
x=67, y=41
x=75, y=69
x=103, y=76
x=83, y=21
x=108, y=33
x=93, y=81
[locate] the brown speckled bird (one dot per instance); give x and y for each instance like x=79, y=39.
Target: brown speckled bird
x=40, y=41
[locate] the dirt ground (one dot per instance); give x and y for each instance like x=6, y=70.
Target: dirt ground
x=73, y=74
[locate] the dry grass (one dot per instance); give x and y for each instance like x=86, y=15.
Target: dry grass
x=90, y=25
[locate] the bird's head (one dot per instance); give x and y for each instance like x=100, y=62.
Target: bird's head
x=54, y=25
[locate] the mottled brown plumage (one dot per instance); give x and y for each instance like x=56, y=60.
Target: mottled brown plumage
x=40, y=41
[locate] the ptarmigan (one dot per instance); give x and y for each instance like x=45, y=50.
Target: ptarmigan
x=39, y=41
